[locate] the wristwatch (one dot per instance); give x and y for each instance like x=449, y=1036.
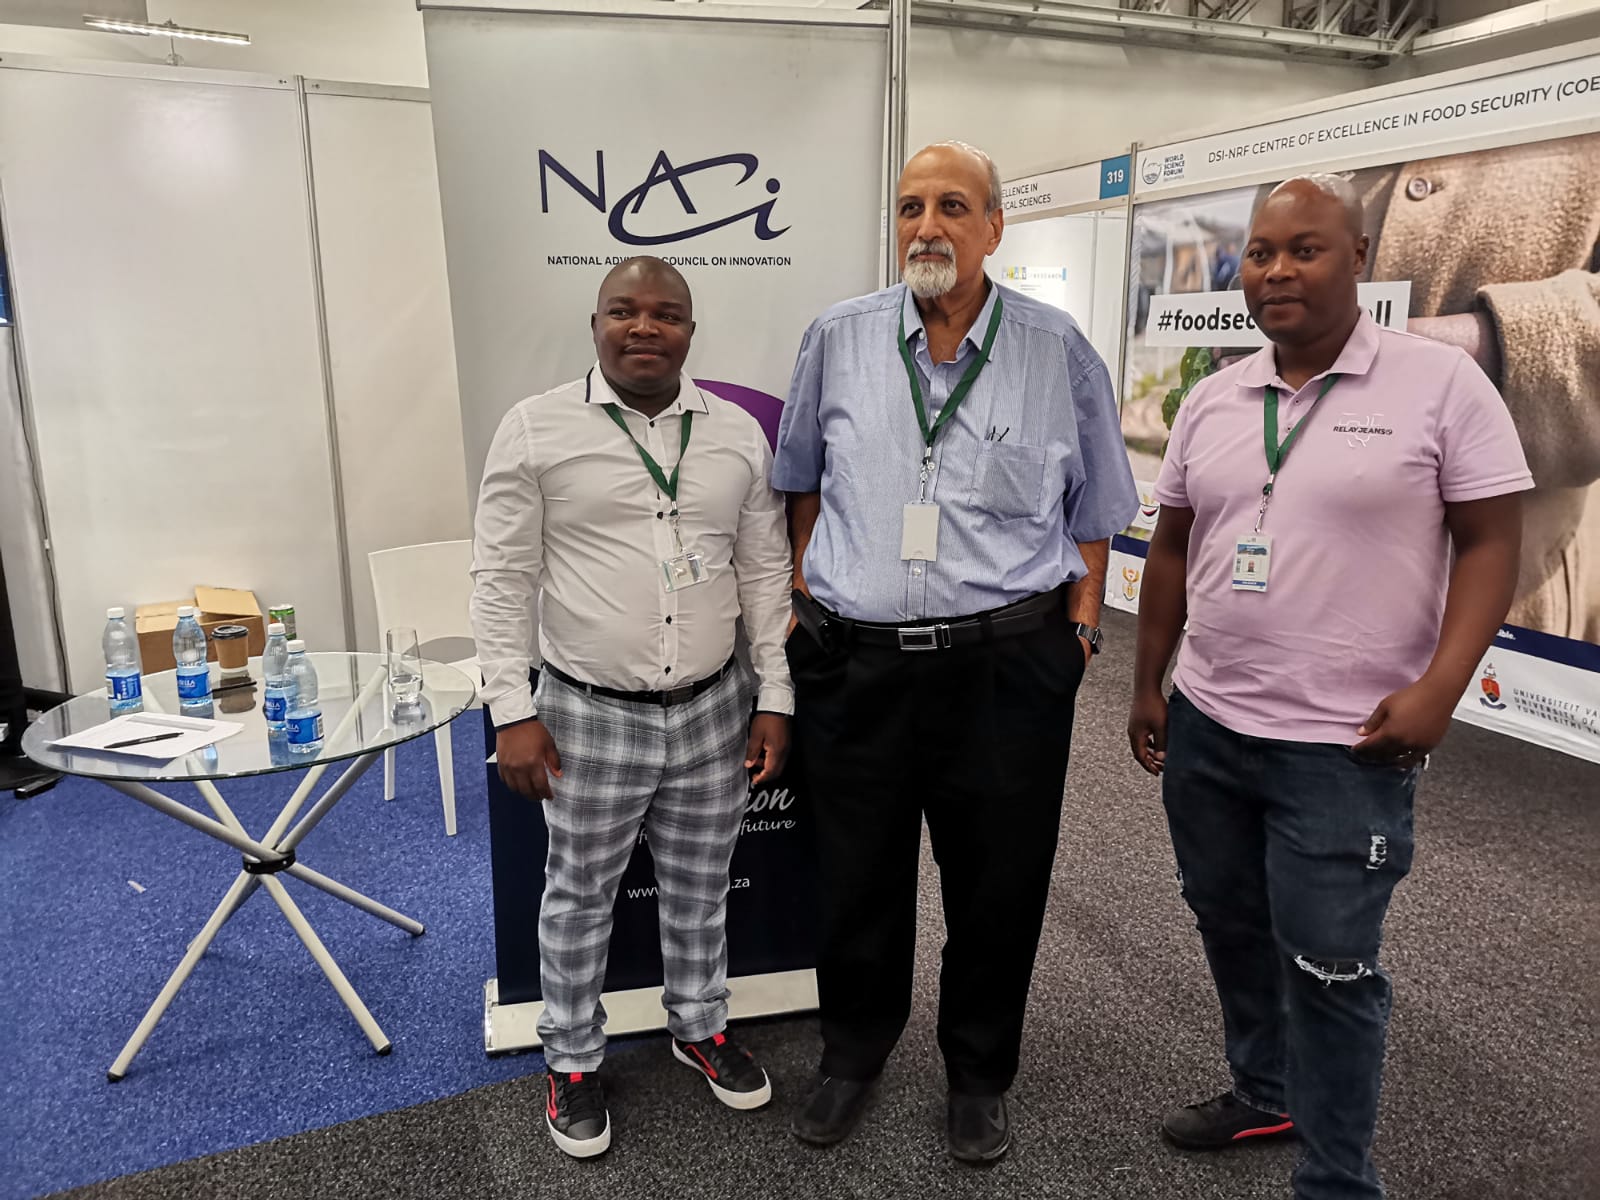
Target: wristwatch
x=1090, y=634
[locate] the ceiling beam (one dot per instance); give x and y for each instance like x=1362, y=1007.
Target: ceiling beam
x=1129, y=25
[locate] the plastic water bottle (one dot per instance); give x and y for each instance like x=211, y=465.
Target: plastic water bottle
x=305, y=714
x=279, y=686
x=123, y=686
x=194, y=673
x=279, y=753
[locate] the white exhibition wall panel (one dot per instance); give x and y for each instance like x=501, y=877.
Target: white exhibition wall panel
x=1051, y=259
x=387, y=307
x=1075, y=262
x=21, y=539
x=161, y=259
x=1110, y=279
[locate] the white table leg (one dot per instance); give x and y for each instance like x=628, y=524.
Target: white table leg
x=276, y=846
x=388, y=773
x=232, y=835
x=447, y=778
x=242, y=887
x=313, y=943
x=325, y=804
x=355, y=899
x=316, y=879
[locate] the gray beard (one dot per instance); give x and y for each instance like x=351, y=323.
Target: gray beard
x=929, y=280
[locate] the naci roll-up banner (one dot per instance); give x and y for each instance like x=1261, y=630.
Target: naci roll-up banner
x=746, y=148
x=1482, y=198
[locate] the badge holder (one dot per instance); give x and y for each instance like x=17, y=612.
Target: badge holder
x=919, y=528
x=685, y=569
x=1252, y=562
x=1252, y=553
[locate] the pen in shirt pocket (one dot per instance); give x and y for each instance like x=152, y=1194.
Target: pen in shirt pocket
x=996, y=434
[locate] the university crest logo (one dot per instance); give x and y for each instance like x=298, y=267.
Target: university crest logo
x=1491, y=689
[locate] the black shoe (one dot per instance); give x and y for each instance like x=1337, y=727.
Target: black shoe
x=1225, y=1121
x=729, y=1068
x=832, y=1110
x=977, y=1128
x=575, y=1111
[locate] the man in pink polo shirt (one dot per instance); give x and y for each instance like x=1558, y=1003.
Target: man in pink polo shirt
x=1311, y=497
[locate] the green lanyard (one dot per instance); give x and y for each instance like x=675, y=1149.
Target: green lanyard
x=667, y=484
x=931, y=432
x=1277, y=453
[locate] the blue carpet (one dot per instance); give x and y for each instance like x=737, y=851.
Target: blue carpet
x=256, y=1045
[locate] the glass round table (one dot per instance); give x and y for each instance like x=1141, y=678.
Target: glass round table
x=360, y=722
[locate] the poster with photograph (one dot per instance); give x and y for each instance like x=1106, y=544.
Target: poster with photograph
x=1046, y=284
x=1501, y=252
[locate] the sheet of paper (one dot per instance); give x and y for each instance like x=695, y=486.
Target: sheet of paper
x=194, y=733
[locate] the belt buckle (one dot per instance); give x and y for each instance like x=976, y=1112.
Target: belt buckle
x=678, y=694
x=924, y=637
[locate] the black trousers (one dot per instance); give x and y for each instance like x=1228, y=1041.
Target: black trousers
x=975, y=738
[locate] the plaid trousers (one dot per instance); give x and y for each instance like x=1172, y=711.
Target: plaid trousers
x=679, y=772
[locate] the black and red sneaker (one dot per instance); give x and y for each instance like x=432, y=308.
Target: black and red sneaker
x=729, y=1068
x=1223, y=1122
x=575, y=1111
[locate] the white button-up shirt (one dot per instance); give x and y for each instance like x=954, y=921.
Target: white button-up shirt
x=569, y=514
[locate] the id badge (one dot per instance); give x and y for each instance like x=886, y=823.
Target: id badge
x=683, y=571
x=919, y=533
x=1252, y=562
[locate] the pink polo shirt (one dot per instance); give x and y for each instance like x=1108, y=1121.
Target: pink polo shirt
x=1360, y=552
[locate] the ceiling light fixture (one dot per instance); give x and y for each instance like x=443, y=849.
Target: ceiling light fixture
x=166, y=29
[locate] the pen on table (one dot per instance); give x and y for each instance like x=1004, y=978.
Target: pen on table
x=154, y=737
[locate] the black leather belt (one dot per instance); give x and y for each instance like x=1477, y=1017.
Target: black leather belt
x=677, y=695
x=832, y=631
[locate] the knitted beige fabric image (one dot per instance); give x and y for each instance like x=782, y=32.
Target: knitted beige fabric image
x=1502, y=250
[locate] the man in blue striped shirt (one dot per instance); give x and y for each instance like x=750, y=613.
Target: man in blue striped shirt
x=956, y=470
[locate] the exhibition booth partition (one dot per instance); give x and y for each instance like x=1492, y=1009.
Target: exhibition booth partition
x=1065, y=243
x=231, y=358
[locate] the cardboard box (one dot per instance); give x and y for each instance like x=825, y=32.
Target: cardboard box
x=154, y=624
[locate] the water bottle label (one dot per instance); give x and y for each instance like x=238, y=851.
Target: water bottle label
x=194, y=683
x=275, y=707
x=305, y=729
x=124, y=687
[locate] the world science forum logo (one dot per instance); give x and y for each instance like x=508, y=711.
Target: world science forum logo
x=704, y=191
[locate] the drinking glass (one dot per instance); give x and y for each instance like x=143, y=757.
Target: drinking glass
x=404, y=661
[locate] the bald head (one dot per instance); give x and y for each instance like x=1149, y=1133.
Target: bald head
x=644, y=269
x=1325, y=188
x=953, y=151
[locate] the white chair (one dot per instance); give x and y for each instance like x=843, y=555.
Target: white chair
x=427, y=588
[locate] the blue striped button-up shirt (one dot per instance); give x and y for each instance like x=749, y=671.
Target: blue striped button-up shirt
x=1031, y=464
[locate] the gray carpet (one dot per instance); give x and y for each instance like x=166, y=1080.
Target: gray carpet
x=1491, y=1087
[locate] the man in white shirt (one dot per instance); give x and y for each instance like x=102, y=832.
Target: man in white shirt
x=640, y=513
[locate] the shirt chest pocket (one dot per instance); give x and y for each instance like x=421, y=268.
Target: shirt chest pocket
x=1008, y=481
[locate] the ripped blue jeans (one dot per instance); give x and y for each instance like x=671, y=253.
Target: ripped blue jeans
x=1288, y=853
